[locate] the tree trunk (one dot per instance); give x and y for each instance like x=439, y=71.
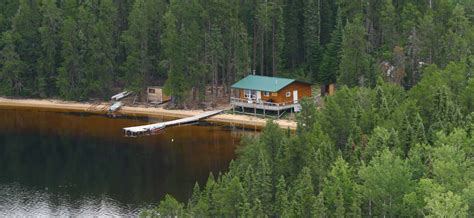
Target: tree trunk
x=254, y=49
x=274, y=55
x=262, y=49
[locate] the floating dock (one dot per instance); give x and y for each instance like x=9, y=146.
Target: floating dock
x=154, y=128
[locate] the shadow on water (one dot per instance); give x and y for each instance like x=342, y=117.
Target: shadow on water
x=54, y=163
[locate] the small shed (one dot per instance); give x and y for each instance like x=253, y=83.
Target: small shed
x=155, y=95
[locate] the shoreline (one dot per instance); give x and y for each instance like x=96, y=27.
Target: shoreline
x=58, y=105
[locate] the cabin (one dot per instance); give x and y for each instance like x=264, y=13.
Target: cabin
x=268, y=95
x=155, y=95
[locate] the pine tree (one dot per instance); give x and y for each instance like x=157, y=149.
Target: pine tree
x=339, y=188
x=312, y=31
x=445, y=114
x=355, y=62
x=137, y=66
x=293, y=45
x=71, y=74
x=282, y=204
x=328, y=20
x=331, y=59
x=49, y=60
x=12, y=67
x=101, y=61
x=388, y=24
x=428, y=40
x=459, y=38
x=25, y=26
x=303, y=195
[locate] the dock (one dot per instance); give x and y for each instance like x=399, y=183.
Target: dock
x=154, y=128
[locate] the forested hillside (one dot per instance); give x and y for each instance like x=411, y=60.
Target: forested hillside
x=81, y=49
x=395, y=140
x=369, y=152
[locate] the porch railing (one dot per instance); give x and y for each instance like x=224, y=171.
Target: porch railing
x=261, y=102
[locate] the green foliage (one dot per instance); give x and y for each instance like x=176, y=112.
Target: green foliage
x=446, y=205
x=312, y=22
x=365, y=152
x=340, y=189
x=409, y=152
x=85, y=49
x=354, y=67
x=50, y=48
x=385, y=180
x=12, y=67
x=331, y=59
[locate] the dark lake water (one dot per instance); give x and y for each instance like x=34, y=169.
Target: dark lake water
x=76, y=164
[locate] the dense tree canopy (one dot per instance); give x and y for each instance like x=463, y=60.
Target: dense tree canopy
x=86, y=49
x=395, y=140
x=368, y=152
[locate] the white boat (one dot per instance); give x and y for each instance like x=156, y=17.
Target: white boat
x=121, y=95
x=115, y=106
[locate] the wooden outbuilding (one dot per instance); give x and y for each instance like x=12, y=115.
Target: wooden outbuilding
x=155, y=95
x=269, y=94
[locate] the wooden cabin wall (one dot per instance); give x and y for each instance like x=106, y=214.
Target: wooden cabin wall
x=304, y=90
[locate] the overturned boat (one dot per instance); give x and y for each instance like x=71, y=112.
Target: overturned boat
x=115, y=106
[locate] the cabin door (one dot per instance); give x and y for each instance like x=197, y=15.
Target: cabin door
x=295, y=96
x=259, y=96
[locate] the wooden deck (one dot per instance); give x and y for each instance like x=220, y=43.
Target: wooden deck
x=262, y=105
x=150, y=128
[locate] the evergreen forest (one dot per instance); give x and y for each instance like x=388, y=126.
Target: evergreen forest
x=395, y=140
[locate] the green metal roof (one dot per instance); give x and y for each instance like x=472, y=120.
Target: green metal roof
x=262, y=83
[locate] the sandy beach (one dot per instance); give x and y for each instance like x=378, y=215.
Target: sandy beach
x=58, y=105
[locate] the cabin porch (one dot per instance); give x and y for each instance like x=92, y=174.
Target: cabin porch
x=240, y=105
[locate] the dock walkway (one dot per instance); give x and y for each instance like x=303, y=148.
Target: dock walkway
x=152, y=128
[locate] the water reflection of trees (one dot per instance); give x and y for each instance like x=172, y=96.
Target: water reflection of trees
x=36, y=155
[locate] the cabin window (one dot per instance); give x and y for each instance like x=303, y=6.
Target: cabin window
x=247, y=94
x=254, y=94
x=151, y=90
x=288, y=94
x=266, y=94
x=274, y=94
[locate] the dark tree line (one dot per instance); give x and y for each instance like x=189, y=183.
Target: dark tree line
x=81, y=49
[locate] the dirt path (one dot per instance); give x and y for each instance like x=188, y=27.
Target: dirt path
x=58, y=105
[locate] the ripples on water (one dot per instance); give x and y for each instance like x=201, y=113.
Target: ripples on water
x=19, y=201
x=73, y=164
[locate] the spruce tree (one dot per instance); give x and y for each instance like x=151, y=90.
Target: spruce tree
x=49, y=59
x=101, y=65
x=331, y=58
x=25, y=30
x=388, y=25
x=71, y=74
x=312, y=31
x=137, y=65
x=354, y=68
x=339, y=188
x=12, y=67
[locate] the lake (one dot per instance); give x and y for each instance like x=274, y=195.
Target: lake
x=78, y=164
